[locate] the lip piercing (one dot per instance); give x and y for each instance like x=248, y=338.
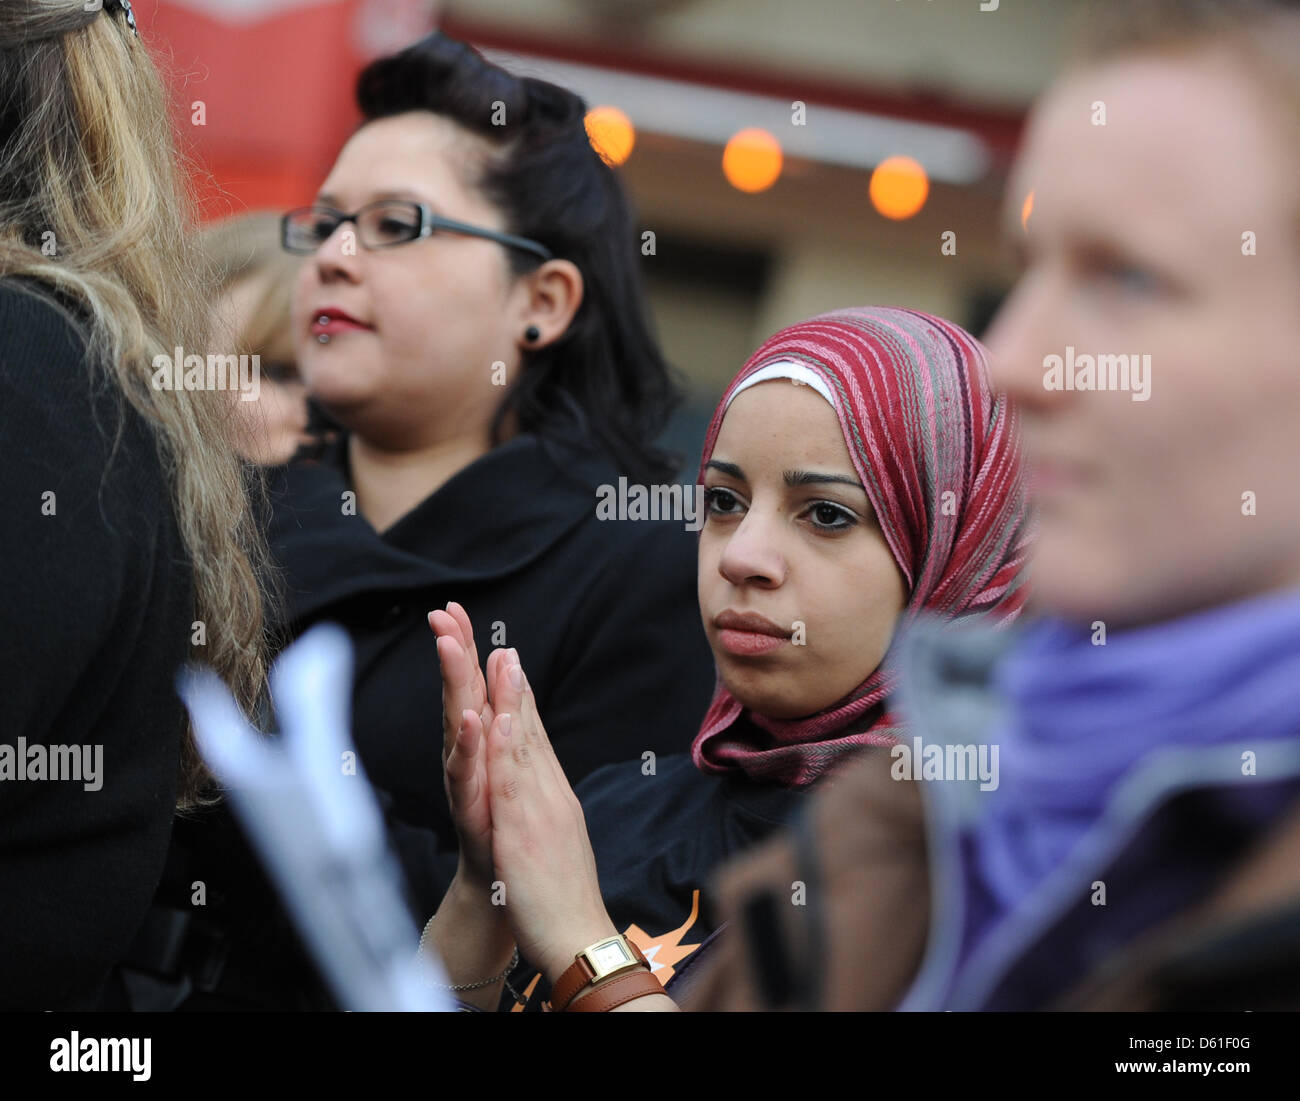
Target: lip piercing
x=323, y=338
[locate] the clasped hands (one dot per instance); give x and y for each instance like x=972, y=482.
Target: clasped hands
x=525, y=858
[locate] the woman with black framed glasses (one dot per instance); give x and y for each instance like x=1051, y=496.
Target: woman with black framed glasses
x=384, y=224
x=469, y=309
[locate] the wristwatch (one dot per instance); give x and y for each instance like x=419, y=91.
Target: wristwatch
x=597, y=962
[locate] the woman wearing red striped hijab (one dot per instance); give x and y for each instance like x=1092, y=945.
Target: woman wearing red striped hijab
x=858, y=471
x=937, y=456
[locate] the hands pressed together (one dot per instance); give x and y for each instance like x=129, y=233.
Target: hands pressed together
x=527, y=875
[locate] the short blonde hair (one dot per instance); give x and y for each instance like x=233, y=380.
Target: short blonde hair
x=246, y=247
x=1264, y=34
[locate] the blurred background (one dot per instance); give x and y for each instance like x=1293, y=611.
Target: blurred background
x=785, y=158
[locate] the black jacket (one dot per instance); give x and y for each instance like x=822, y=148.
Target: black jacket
x=603, y=613
x=97, y=609
x=658, y=837
x=604, y=616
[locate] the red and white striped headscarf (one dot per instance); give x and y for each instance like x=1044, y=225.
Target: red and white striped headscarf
x=920, y=422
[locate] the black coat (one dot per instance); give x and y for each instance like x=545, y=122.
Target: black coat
x=604, y=615
x=94, y=623
x=658, y=838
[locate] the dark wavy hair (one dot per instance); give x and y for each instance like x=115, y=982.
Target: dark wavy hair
x=605, y=377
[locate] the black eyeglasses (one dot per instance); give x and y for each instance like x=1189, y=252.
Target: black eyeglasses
x=384, y=224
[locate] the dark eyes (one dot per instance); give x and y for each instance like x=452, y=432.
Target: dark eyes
x=721, y=501
x=824, y=515
x=831, y=517
x=381, y=224
x=322, y=228
x=395, y=229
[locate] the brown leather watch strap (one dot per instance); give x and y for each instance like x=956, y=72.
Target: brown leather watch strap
x=567, y=985
x=579, y=974
x=623, y=988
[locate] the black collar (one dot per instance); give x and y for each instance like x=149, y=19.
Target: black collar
x=495, y=517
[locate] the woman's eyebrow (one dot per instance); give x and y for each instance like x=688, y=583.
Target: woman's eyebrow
x=729, y=469
x=401, y=193
x=326, y=199
x=795, y=478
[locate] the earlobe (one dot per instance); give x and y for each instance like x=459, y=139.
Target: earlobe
x=557, y=292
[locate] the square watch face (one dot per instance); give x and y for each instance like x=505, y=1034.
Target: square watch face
x=608, y=956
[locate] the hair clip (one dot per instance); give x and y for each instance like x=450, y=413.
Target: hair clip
x=125, y=6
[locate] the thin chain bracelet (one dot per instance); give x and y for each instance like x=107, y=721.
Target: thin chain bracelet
x=514, y=962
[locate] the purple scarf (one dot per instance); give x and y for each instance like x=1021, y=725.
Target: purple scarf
x=1081, y=717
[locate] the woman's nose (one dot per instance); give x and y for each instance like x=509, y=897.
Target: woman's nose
x=337, y=255
x=753, y=555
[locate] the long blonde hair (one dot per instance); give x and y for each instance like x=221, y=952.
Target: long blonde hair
x=87, y=156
